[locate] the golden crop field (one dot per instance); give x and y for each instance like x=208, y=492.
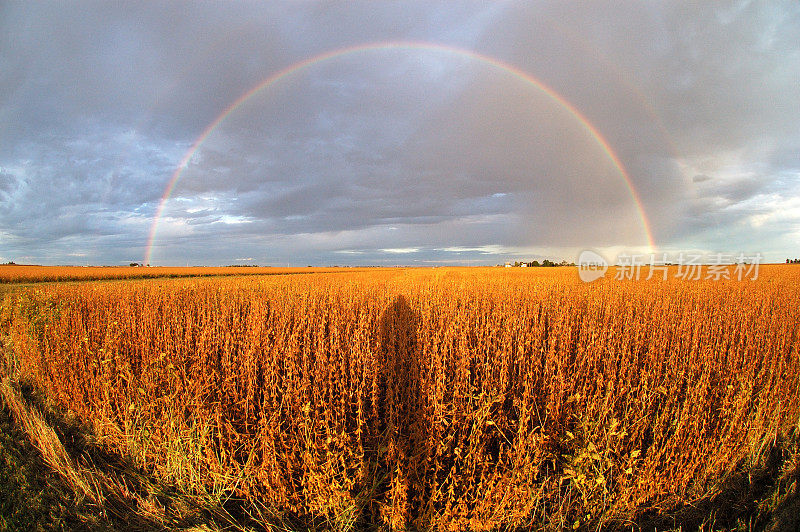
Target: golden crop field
x=18, y=273
x=433, y=399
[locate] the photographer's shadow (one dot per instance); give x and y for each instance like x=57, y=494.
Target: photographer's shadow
x=396, y=435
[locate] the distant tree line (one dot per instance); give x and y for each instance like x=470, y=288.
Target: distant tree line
x=792, y=261
x=536, y=264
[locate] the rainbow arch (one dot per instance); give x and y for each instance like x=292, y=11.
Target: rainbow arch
x=398, y=45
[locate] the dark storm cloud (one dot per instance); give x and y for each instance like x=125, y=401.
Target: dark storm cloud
x=679, y=90
x=424, y=153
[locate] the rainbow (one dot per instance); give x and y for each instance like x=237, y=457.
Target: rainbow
x=408, y=46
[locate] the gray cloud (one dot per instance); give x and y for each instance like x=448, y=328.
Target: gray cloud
x=424, y=151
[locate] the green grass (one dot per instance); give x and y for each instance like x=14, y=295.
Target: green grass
x=32, y=496
x=36, y=496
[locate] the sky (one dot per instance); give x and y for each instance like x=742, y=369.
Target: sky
x=382, y=133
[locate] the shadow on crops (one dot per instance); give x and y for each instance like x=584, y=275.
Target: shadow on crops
x=394, y=439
